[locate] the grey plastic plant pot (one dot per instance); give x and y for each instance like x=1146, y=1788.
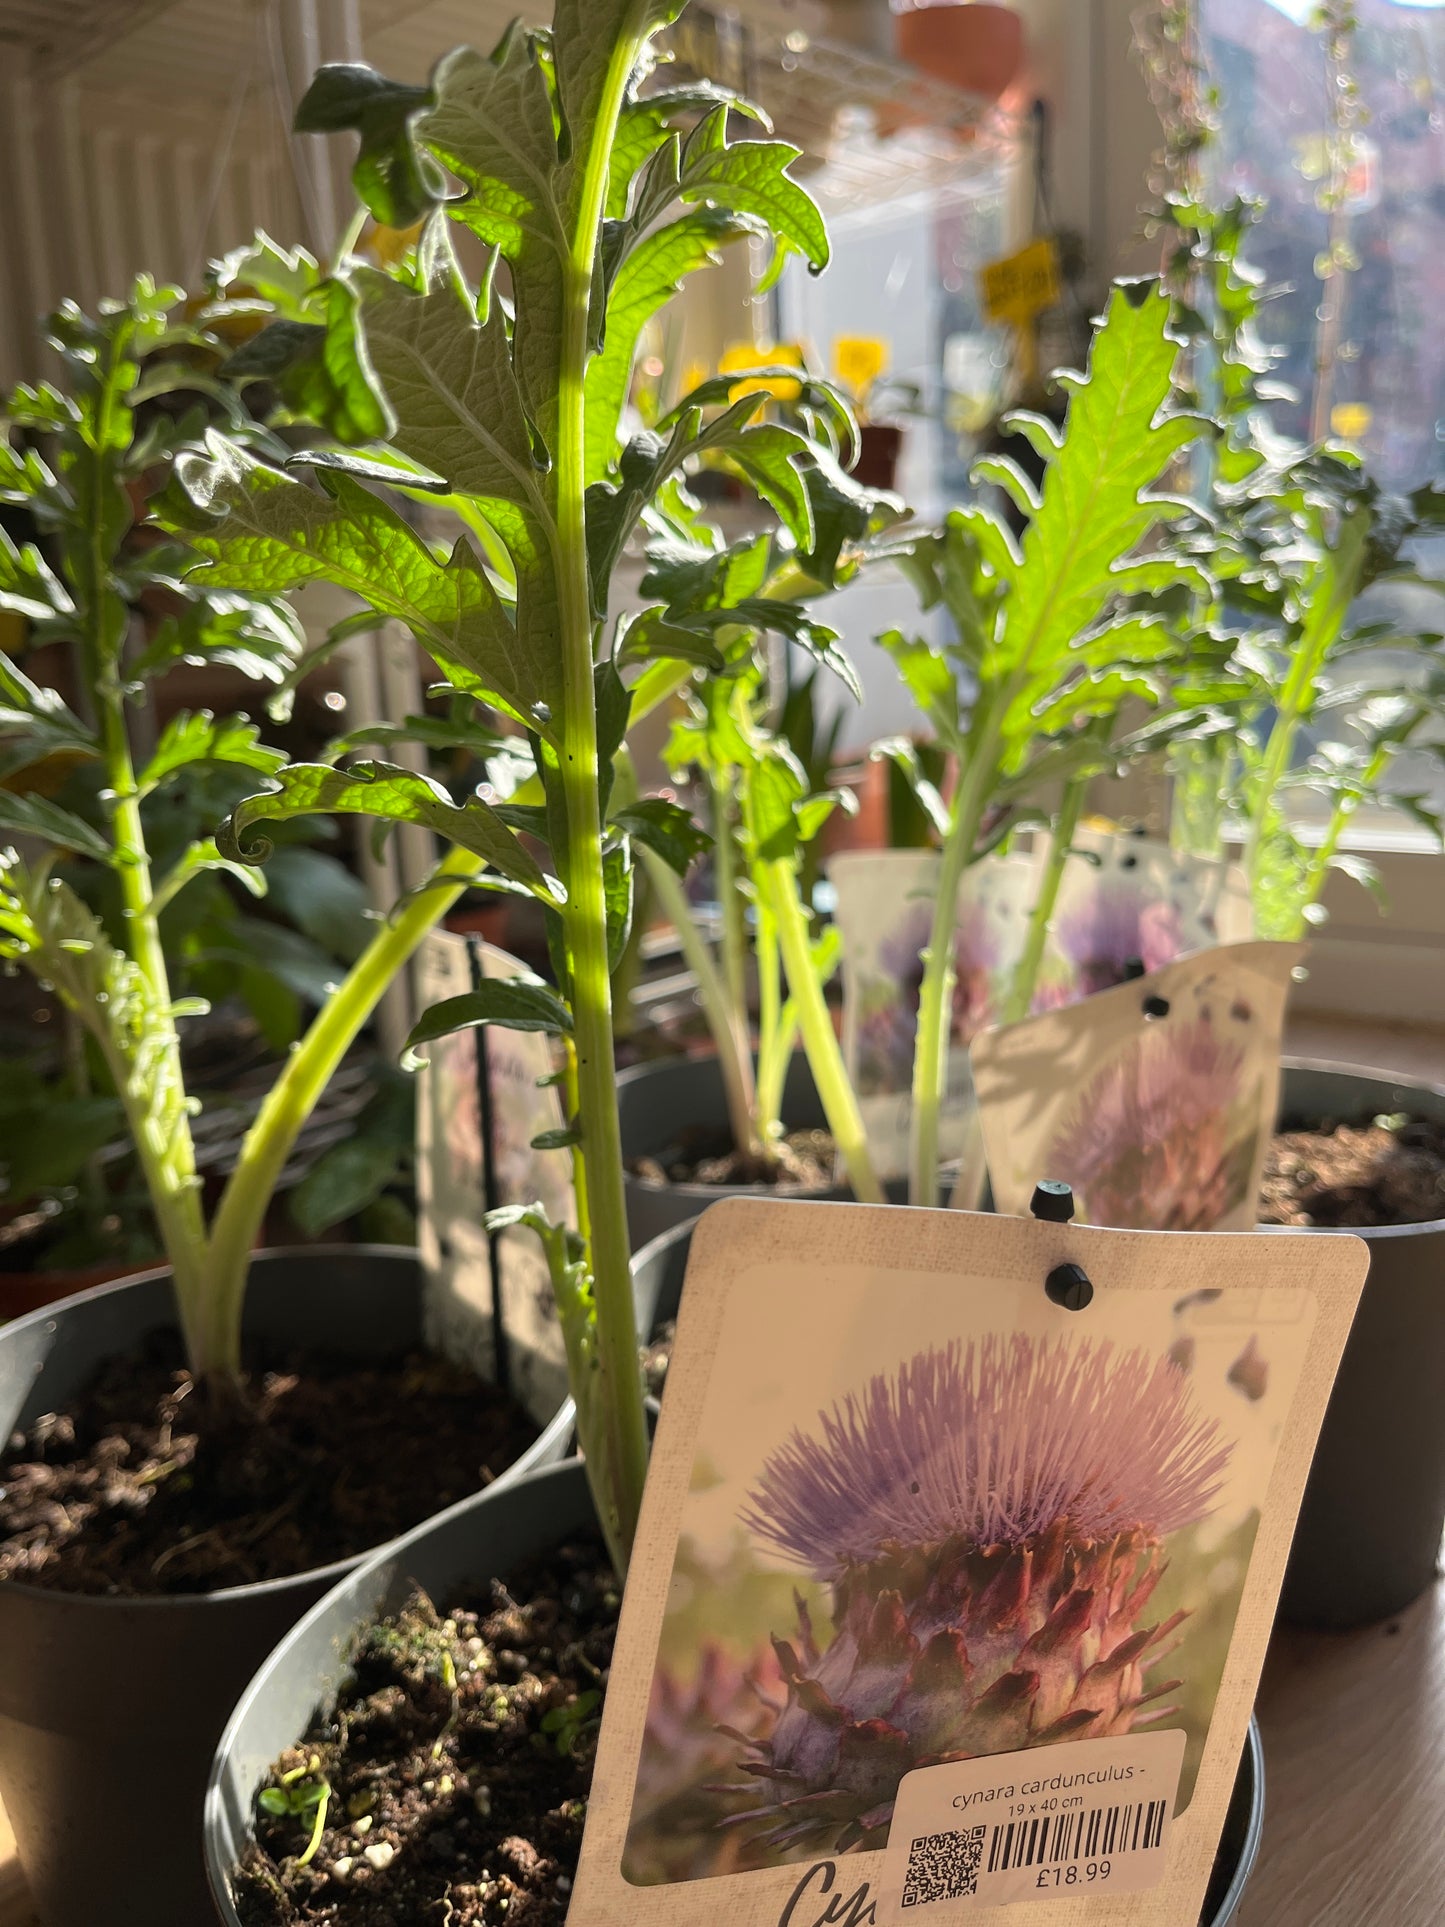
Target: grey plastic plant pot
x=483, y=1538
x=658, y=1103
x=110, y=1707
x=1369, y=1533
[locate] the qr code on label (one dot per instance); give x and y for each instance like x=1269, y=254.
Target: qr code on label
x=943, y=1866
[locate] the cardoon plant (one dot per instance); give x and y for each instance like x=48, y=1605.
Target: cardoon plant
x=1054, y=634
x=96, y=899
x=593, y=197
x=764, y=820
x=992, y=1520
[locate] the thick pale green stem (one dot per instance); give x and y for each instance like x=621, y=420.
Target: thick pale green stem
x=1025, y=979
x=733, y=1053
x=969, y=1186
x=779, y=883
x=935, y=997
x=1343, y=565
x=773, y=1045
x=292, y=1098
x=615, y=1440
x=732, y=904
x=152, y=1092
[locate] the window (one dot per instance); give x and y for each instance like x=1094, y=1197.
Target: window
x=1384, y=383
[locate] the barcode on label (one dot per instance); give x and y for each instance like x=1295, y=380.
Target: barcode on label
x=1058, y=1838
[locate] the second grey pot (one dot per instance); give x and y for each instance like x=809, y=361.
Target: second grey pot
x=110, y=1708
x=1369, y=1533
x=657, y=1103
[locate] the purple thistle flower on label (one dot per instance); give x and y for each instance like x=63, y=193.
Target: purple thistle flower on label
x=991, y=1519
x=886, y=1030
x=1153, y=1142
x=1114, y=926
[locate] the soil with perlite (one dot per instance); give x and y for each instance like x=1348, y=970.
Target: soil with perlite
x=457, y=1764
x=148, y=1484
x=1389, y=1171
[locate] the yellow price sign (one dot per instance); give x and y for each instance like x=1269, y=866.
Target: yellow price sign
x=1021, y=285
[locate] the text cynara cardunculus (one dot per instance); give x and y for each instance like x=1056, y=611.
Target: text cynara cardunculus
x=991, y=1519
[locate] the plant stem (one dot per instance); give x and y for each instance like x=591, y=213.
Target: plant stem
x=935, y=997
x=773, y=1045
x=612, y=1419
x=732, y=904
x=292, y=1098
x=152, y=1091
x=734, y=1056
x=1025, y=979
x=968, y=1189
x=778, y=881
x=1344, y=809
x=1342, y=565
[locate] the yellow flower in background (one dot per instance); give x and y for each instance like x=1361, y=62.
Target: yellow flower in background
x=746, y=354
x=858, y=361
x=1351, y=420
x=389, y=244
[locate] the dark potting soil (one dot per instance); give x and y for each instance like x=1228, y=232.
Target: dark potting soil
x=458, y=1762
x=1386, y=1172
x=145, y=1484
x=456, y=1766
x=657, y=1356
x=804, y=1161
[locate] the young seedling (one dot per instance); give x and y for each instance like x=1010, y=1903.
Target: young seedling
x=745, y=767
x=302, y=1794
x=593, y=198
x=1052, y=633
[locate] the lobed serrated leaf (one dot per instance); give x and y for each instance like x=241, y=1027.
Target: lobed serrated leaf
x=385, y=793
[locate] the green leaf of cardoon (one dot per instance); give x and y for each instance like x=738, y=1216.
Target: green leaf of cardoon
x=666, y=828
x=269, y=532
x=447, y=374
x=392, y=176
x=318, y=366
x=38, y=816
x=650, y=275
x=390, y=794
x=198, y=737
x=493, y=126
x=516, y=1003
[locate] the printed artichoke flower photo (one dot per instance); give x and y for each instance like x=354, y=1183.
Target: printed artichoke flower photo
x=991, y=1545
x=1165, y=1135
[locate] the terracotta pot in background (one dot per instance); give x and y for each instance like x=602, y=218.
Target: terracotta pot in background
x=879, y=446
x=968, y=44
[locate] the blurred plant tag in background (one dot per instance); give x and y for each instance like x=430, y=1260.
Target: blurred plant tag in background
x=1155, y=1101
x=1126, y=900
x=1123, y=900
x=946, y=1596
x=884, y=908
x=479, y=1106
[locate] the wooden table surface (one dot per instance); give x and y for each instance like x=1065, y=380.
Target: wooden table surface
x=1354, y=1747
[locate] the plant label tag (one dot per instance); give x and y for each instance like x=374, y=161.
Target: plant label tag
x=484, y=1098
x=945, y=1594
x=1155, y=1100
x=1079, y=1818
